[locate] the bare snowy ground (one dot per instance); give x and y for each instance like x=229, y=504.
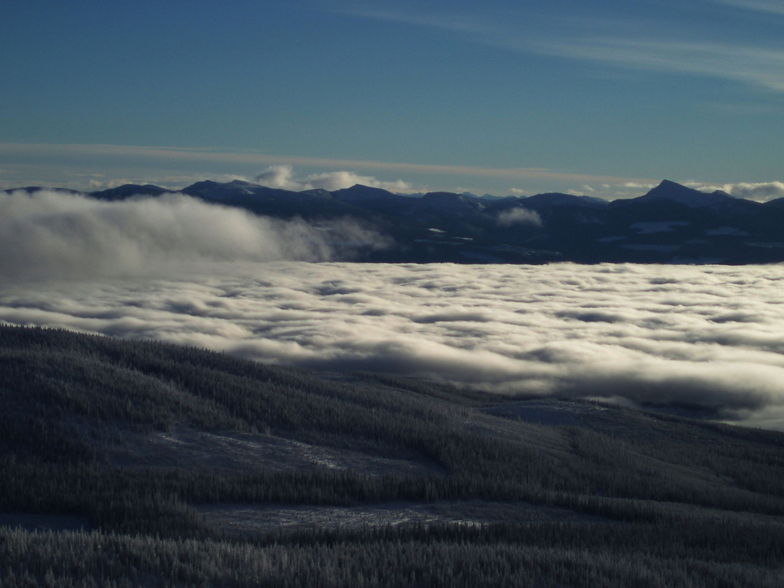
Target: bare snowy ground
x=192, y=449
x=249, y=519
x=238, y=518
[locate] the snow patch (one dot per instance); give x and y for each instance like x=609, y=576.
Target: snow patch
x=648, y=228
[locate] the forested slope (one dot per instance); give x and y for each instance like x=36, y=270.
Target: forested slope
x=153, y=449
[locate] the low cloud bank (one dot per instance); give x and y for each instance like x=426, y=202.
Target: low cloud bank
x=519, y=216
x=283, y=176
x=710, y=337
x=53, y=233
x=759, y=191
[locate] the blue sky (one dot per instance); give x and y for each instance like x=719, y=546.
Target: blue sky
x=499, y=96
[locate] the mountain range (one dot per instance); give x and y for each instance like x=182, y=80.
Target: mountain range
x=670, y=224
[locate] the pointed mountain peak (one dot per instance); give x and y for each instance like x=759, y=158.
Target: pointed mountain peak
x=674, y=192
x=668, y=187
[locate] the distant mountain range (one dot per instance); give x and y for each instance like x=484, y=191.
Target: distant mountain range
x=670, y=224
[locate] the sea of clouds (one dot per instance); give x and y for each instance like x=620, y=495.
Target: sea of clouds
x=186, y=272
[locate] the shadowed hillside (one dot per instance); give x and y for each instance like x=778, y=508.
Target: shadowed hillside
x=153, y=464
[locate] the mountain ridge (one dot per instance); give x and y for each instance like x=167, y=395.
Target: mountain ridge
x=671, y=223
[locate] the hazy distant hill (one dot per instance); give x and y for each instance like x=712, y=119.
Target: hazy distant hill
x=154, y=464
x=670, y=224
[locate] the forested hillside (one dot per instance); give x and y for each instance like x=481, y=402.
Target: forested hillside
x=152, y=464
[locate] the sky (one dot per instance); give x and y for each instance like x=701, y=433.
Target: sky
x=504, y=97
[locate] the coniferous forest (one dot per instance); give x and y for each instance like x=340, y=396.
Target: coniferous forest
x=141, y=463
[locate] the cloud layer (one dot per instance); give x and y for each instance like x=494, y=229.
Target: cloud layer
x=766, y=6
x=519, y=216
x=59, y=234
x=282, y=176
x=759, y=191
x=709, y=336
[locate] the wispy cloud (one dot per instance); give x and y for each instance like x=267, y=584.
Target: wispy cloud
x=767, y=6
x=173, y=155
x=753, y=66
x=591, y=39
x=466, y=24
